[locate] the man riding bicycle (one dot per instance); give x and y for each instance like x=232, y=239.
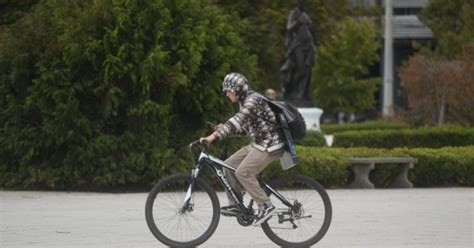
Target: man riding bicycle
x=255, y=118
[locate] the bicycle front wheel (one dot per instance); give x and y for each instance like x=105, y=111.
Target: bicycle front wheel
x=178, y=227
x=307, y=221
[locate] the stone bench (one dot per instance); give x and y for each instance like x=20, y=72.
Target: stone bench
x=362, y=167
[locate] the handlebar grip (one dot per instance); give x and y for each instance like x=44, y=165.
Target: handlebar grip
x=198, y=142
x=203, y=142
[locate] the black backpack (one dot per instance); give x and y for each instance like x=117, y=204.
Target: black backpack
x=289, y=118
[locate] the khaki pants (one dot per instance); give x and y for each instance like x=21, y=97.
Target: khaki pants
x=249, y=161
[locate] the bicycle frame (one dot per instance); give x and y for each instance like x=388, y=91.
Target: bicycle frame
x=215, y=164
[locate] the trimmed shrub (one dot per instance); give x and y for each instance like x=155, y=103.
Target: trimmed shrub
x=368, y=125
x=431, y=137
x=312, y=138
x=448, y=166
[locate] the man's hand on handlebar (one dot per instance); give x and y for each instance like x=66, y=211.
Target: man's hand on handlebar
x=207, y=140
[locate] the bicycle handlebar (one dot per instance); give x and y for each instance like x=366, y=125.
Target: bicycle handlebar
x=204, y=148
x=198, y=142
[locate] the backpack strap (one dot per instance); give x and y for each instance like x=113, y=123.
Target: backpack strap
x=269, y=102
x=283, y=125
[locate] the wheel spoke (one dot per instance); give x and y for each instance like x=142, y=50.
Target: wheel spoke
x=312, y=220
x=166, y=219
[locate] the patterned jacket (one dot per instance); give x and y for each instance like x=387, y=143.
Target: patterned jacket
x=255, y=118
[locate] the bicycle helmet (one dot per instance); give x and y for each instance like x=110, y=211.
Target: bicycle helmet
x=235, y=82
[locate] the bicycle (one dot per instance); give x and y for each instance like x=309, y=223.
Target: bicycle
x=182, y=210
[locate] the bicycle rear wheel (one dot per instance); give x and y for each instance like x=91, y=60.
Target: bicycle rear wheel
x=307, y=221
x=178, y=227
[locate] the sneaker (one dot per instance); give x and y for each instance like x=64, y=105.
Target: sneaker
x=231, y=210
x=264, y=213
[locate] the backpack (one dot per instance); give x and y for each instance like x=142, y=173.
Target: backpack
x=288, y=118
x=293, y=126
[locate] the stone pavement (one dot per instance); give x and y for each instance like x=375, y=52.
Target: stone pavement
x=428, y=218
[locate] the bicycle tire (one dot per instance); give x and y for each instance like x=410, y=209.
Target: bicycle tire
x=313, y=198
x=166, y=198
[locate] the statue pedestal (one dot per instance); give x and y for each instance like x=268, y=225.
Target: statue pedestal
x=311, y=117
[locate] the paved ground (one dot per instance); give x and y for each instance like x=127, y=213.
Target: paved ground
x=428, y=218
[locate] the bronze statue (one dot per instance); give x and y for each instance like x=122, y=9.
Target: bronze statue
x=296, y=71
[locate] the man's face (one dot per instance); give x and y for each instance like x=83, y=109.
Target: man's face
x=271, y=94
x=231, y=95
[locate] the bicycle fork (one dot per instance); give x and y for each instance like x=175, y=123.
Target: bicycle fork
x=187, y=206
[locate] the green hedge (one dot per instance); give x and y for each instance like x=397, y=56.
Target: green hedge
x=448, y=166
x=312, y=138
x=432, y=137
x=368, y=125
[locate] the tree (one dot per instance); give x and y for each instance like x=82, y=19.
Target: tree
x=438, y=90
x=439, y=83
x=452, y=23
x=461, y=79
x=14, y=10
x=94, y=93
x=426, y=94
x=339, y=80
